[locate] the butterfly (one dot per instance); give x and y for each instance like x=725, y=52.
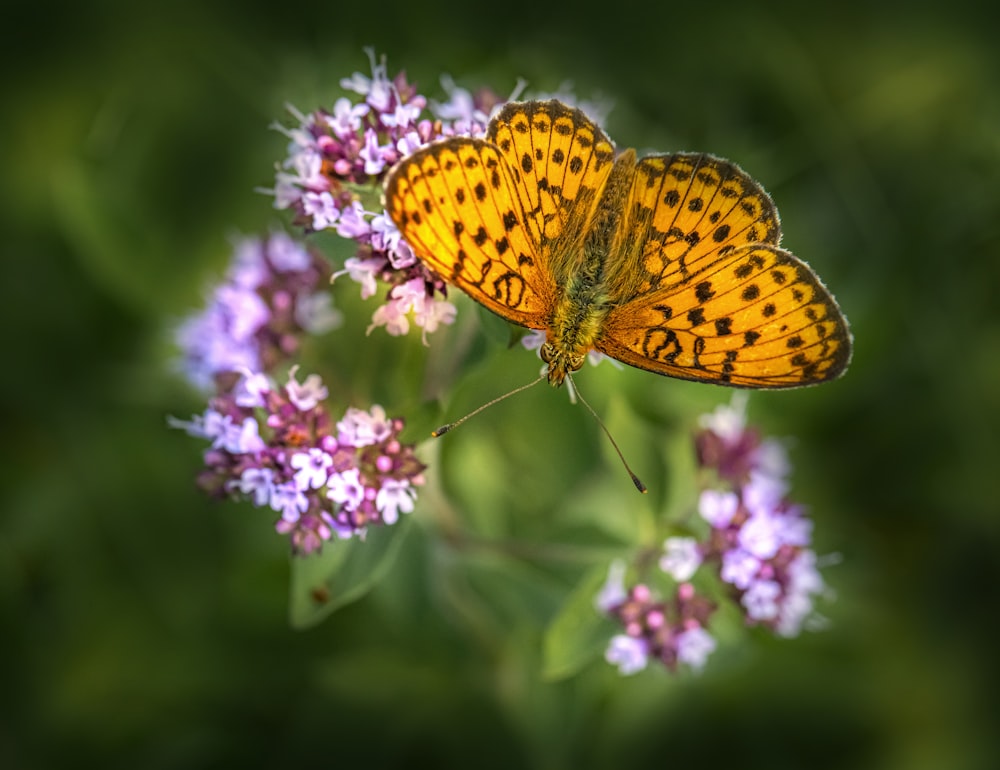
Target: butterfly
x=669, y=263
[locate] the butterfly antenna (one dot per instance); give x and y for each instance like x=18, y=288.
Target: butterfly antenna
x=445, y=428
x=635, y=479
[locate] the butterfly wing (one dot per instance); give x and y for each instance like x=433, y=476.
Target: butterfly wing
x=457, y=204
x=701, y=290
x=560, y=161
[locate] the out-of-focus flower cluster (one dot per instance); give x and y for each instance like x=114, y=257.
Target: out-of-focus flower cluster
x=338, y=158
x=672, y=632
x=274, y=291
x=758, y=543
x=279, y=448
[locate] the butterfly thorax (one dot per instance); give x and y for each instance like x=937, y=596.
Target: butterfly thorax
x=579, y=313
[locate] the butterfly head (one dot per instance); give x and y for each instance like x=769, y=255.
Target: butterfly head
x=561, y=362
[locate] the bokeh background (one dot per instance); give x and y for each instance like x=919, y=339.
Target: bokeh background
x=145, y=627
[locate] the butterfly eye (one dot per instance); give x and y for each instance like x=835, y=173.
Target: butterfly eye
x=546, y=352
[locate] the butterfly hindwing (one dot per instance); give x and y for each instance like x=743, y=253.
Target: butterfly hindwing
x=759, y=318
x=455, y=203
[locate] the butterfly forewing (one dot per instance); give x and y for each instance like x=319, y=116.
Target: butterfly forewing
x=687, y=211
x=455, y=204
x=560, y=162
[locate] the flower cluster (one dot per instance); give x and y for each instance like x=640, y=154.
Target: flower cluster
x=279, y=448
x=757, y=542
x=337, y=156
x=759, y=539
x=672, y=632
x=274, y=291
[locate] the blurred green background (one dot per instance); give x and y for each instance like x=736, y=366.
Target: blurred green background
x=145, y=627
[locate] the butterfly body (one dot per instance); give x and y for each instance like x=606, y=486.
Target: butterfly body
x=669, y=263
x=584, y=296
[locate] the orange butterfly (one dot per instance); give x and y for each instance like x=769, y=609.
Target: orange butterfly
x=670, y=263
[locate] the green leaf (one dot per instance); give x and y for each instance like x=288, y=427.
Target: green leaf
x=342, y=573
x=579, y=633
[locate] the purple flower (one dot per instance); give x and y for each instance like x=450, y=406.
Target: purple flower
x=210, y=347
x=353, y=223
x=728, y=421
x=346, y=489
x=403, y=116
x=307, y=533
x=392, y=315
x=287, y=256
x=412, y=297
x=257, y=483
x=461, y=106
x=372, y=153
x=289, y=500
x=251, y=320
x=395, y=496
x=613, y=593
x=760, y=534
x=363, y=271
x=739, y=567
x=763, y=493
x=312, y=468
x=628, y=653
x=681, y=559
x=361, y=429
x=346, y=118
x=207, y=425
x=802, y=582
x=250, y=390
x=718, y=507
x=727, y=445
x=386, y=237
x=307, y=395
x=321, y=208
x=247, y=270
x=377, y=89
x=409, y=143
x=401, y=256
x=240, y=438
x=761, y=600
x=694, y=646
